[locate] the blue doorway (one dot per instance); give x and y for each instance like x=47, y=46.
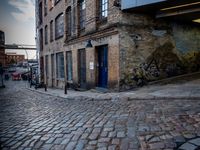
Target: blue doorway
x=102, y=56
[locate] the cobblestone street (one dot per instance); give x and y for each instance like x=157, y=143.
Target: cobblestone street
x=31, y=120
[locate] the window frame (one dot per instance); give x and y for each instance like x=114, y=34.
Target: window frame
x=51, y=31
x=60, y=72
x=47, y=66
x=69, y=65
x=59, y=26
x=45, y=7
x=40, y=13
x=46, y=35
x=103, y=10
x=82, y=14
x=69, y=21
x=41, y=39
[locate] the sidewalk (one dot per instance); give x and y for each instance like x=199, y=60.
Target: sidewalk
x=187, y=90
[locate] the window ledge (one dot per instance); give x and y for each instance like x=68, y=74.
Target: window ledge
x=59, y=37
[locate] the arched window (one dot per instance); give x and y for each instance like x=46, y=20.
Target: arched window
x=68, y=21
x=59, y=26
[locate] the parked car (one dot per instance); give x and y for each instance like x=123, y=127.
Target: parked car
x=16, y=76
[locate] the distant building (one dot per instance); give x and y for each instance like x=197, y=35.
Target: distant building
x=2, y=49
x=13, y=58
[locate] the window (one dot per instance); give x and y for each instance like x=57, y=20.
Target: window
x=69, y=21
x=46, y=66
x=74, y=20
x=52, y=66
x=69, y=65
x=82, y=14
x=46, y=35
x=59, y=26
x=45, y=7
x=60, y=65
x=40, y=13
x=41, y=39
x=51, y=31
x=103, y=9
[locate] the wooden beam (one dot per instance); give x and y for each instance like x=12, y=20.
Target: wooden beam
x=176, y=13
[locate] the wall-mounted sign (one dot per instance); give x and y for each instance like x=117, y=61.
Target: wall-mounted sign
x=91, y=65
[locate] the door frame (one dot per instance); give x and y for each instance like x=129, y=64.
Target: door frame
x=97, y=49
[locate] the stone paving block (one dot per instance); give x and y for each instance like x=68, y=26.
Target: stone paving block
x=104, y=140
x=84, y=136
x=70, y=146
x=58, y=147
x=121, y=134
x=115, y=141
x=38, y=144
x=58, y=141
x=94, y=142
x=124, y=144
x=104, y=134
x=76, y=137
x=112, y=147
x=50, y=141
x=188, y=146
x=100, y=145
x=80, y=145
x=47, y=146
x=179, y=139
x=93, y=136
x=195, y=141
x=158, y=145
x=154, y=139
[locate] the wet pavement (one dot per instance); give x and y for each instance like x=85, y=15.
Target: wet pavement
x=32, y=120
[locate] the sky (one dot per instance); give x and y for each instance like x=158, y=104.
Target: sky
x=17, y=20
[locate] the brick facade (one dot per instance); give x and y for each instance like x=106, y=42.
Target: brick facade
x=2, y=49
x=133, y=41
x=14, y=58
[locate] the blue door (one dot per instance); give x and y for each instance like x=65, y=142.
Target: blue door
x=103, y=66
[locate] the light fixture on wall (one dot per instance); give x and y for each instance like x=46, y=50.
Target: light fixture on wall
x=89, y=44
x=196, y=20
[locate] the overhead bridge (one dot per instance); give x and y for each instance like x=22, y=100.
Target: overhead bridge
x=184, y=10
x=18, y=46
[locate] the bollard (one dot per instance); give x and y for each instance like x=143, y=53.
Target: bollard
x=45, y=87
x=65, y=88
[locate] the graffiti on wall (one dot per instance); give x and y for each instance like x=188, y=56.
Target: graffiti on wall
x=177, y=53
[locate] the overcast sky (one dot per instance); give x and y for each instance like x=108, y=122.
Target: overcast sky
x=17, y=20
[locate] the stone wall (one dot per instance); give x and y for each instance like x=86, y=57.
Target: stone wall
x=155, y=49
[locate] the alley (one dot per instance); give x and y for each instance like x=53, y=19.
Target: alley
x=31, y=120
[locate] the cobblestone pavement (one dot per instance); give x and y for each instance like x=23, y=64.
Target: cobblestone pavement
x=31, y=120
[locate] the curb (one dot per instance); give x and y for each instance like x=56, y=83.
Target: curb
x=117, y=98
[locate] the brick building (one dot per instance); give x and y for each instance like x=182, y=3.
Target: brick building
x=13, y=58
x=104, y=43
x=2, y=49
